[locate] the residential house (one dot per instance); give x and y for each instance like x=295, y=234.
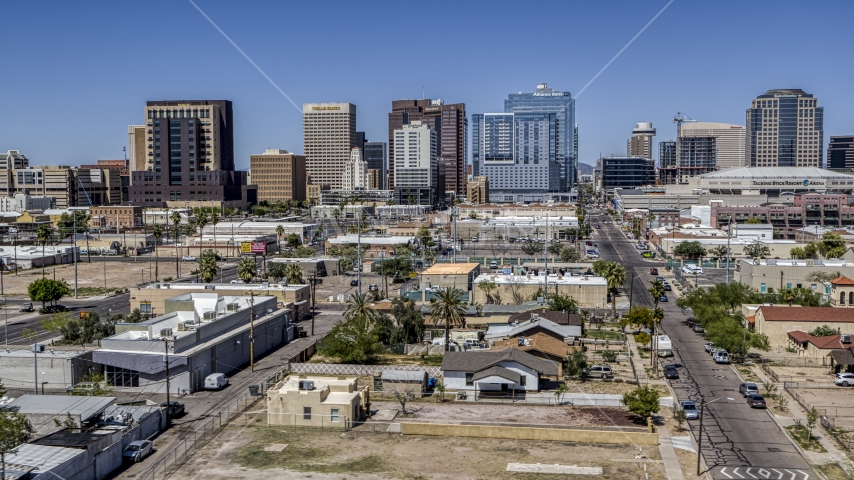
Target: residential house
x=819, y=348
x=322, y=402
x=842, y=292
x=503, y=371
x=842, y=359
x=537, y=324
x=776, y=321
x=539, y=344
x=560, y=318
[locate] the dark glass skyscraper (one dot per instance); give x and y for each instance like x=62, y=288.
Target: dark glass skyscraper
x=840, y=152
x=785, y=128
x=375, y=156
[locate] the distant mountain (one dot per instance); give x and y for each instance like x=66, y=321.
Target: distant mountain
x=584, y=169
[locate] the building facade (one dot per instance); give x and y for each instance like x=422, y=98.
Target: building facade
x=9, y=162
x=775, y=182
x=840, y=152
x=329, y=132
x=451, y=126
x=127, y=216
x=136, y=148
x=624, y=172
x=641, y=143
x=22, y=202
x=827, y=210
x=416, y=164
x=355, y=172
x=667, y=162
x=279, y=175
x=376, y=154
x=547, y=101
x=785, y=128
x=697, y=155
x=122, y=167
x=728, y=141
x=477, y=190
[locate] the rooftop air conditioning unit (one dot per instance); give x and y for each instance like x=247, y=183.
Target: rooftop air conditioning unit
x=845, y=338
x=210, y=316
x=166, y=332
x=265, y=284
x=535, y=316
x=306, y=384
x=232, y=307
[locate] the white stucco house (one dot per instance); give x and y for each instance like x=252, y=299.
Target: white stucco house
x=509, y=370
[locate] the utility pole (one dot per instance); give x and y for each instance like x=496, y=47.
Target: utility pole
x=454, y=217
x=168, y=403
x=312, y=281
x=728, y=236
x=252, y=331
x=546, y=259
x=74, y=253
x=700, y=435
x=36, y=365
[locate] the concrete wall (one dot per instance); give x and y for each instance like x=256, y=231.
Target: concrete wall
x=527, y=433
x=586, y=295
x=755, y=275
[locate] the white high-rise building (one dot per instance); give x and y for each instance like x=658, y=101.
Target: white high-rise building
x=641, y=143
x=415, y=156
x=728, y=141
x=329, y=133
x=356, y=171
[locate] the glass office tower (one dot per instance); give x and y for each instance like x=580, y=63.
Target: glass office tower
x=560, y=104
x=785, y=128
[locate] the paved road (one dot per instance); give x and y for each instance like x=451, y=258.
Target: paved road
x=738, y=442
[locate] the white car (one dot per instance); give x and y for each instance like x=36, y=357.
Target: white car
x=844, y=379
x=188, y=258
x=136, y=451
x=692, y=269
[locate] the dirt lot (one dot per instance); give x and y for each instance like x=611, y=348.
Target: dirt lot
x=832, y=402
x=90, y=276
x=238, y=453
x=803, y=373
x=520, y=413
x=611, y=388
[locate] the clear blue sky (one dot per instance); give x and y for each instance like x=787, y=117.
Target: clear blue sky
x=75, y=74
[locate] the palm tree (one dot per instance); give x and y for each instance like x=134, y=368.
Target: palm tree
x=201, y=221
x=615, y=276
x=208, y=266
x=280, y=232
x=44, y=233
x=176, y=222
x=359, y=305
x=246, y=270
x=657, y=318
x=448, y=309
x=214, y=221
x=293, y=273
x=157, y=231
x=657, y=291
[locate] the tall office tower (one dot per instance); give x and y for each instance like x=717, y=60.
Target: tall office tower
x=641, y=143
x=840, y=152
x=785, y=128
x=516, y=152
x=360, y=140
x=189, y=155
x=355, y=171
x=416, y=161
x=121, y=166
x=624, y=172
x=10, y=161
x=729, y=141
x=451, y=126
x=279, y=175
x=667, y=161
x=548, y=101
x=329, y=133
x=136, y=149
x=375, y=154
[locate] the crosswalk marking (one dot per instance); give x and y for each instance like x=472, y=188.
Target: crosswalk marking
x=767, y=473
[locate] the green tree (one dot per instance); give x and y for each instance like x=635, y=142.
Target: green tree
x=575, y=363
x=798, y=253
x=560, y=302
x=822, y=277
x=246, y=269
x=294, y=240
x=642, y=401
x=47, y=290
x=679, y=416
x=753, y=221
x=812, y=418
x=175, y=217
x=824, y=331
x=531, y=247
x=487, y=286
x=65, y=224
x=409, y=321
x=15, y=429
x=293, y=272
x=396, y=268
x=353, y=340
x=614, y=275
x=643, y=339
x=276, y=271
x=757, y=250
x=570, y=255
x=691, y=249
x=280, y=232
x=448, y=309
x=719, y=252
x=656, y=290
x=560, y=391
x=555, y=249
x=44, y=234
x=832, y=245
x=208, y=266
x=359, y=305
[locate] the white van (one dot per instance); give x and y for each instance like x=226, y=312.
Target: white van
x=692, y=269
x=215, y=381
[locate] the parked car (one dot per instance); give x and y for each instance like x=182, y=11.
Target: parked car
x=648, y=255
x=653, y=271
x=82, y=388
x=722, y=357
x=598, y=227
x=237, y=281
x=419, y=264
x=27, y=307
x=601, y=371
x=708, y=346
x=136, y=451
x=670, y=371
x=756, y=401
x=691, y=412
x=692, y=269
x=373, y=287
x=698, y=328
x=474, y=239
x=175, y=409
x=746, y=389
x=354, y=283
x=493, y=265
x=667, y=287
x=216, y=381
x=844, y=379
x=188, y=258
x=663, y=299
x=54, y=309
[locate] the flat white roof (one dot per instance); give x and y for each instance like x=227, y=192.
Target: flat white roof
x=800, y=173
x=790, y=262
x=500, y=279
x=371, y=239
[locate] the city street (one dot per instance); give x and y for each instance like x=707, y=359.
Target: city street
x=734, y=435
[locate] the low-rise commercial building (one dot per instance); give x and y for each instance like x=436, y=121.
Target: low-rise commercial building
x=321, y=402
x=42, y=410
x=762, y=275
x=59, y=367
x=22, y=202
x=197, y=335
x=71, y=455
x=451, y=275
x=376, y=245
x=222, y=229
x=123, y=216
x=589, y=291
x=279, y=175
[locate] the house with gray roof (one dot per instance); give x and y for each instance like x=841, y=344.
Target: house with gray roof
x=508, y=371
x=537, y=324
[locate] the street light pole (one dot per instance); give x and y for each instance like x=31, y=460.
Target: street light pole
x=700, y=435
x=74, y=253
x=168, y=403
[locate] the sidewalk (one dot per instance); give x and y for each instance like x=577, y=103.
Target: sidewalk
x=833, y=455
x=672, y=467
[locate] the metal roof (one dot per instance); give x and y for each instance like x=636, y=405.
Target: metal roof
x=497, y=372
x=85, y=407
x=774, y=172
x=451, y=269
x=404, y=375
x=477, y=361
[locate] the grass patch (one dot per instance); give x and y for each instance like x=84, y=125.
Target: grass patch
x=432, y=360
x=802, y=436
x=833, y=471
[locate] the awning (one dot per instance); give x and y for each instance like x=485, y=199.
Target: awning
x=140, y=362
x=496, y=375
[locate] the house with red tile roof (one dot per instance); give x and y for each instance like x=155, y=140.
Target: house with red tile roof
x=776, y=321
x=816, y=347
x=842, y=292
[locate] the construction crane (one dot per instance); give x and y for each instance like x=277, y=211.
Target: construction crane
x=679, y=119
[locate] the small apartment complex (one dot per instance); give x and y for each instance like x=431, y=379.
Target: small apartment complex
x=322, y=402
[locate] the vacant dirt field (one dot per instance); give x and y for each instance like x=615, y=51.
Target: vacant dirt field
x=522, y=414
x=803, y=374
x=90, y=276
x=238, y=453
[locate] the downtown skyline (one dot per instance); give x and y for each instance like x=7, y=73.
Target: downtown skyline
x=77, y=63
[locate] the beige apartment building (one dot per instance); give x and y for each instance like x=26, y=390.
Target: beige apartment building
x=641, y=144
x=477, y=190
x=279, y=175
x=728, y=141
x=137, y=159
x=329, y=133
x=320, y=402
x=151, y=299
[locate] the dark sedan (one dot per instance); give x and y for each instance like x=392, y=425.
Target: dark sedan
x=756, y=401
x=670, y=372
x=653, y=271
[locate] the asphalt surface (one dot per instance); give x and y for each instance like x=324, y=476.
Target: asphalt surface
x=737, y=441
